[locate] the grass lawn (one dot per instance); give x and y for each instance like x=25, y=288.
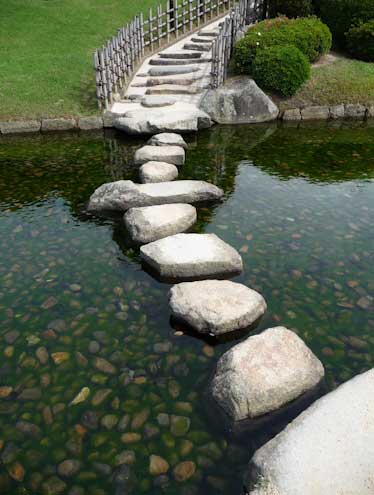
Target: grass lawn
x=342, y=81
x=46, y=49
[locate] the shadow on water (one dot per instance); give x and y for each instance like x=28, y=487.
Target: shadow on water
x=72, y=283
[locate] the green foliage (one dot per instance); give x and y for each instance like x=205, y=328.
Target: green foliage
x=360, y=41
x=341, y=15
x=290, y=8
x=282, y=69
x=309, y=35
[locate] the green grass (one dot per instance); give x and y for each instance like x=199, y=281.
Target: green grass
x=343, y=81
x=46, y=49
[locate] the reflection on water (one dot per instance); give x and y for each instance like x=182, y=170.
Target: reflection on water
x=78, y=314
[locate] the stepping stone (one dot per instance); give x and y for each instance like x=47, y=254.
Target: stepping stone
x=168, y=154
x=216, y=306
x=264, y=373
x=181, y=81
x=169, y=61
x=172, y=70
x=157, y=101
x=152, y=172
x=156, y=222
x=201, y=40
x=124, y=194
x=171, y=89
x=213, y=34
x=180, y=55
x=201, y=47
x=181, y=117
x=192, y=257
x=167, y=139
x=325, y=450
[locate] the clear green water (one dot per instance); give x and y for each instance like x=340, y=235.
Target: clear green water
x=299, y=206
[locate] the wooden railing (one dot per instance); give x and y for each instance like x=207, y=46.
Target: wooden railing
x=116, y=62
x=245, y=12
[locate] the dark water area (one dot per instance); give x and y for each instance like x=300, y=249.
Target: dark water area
x=78, y=313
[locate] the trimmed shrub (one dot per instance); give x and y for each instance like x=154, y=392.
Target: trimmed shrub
x=290, y=8
x=309, y=34
x=341, y=15
x=360, y=41
x=282, y=69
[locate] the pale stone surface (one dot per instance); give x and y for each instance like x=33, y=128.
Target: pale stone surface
x=90, y=123
x=371, y=111
x=181, y=117
x=216, y=306
x=264, y=373
x=239, y=100
x=355, y=111
x=157, y=101
x=157, y=172
x=337, y=111
x=328, y=449
x=192, y=256
x=168, y=154
x=292, y=114
x=315, y=113
x=124, y=194
x=172, y=70
x=50, y=125
x=151, y=223
x=167, y=139
x=20, y=126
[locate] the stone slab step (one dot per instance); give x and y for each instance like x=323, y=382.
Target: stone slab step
x=125, y=194
x=152, y=172
x=169, y=154
x=201, y=47
x=155, y=81
x=192, y=257
x=151, y=223
x=180, y=55
x=212, y=34
x=167, y=139
x=170, y=61
x=172, y=70
x=157, y=101
x=216, y=307
x=202, y=40
x=171, y=89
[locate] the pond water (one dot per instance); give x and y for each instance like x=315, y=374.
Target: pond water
x=78, y=312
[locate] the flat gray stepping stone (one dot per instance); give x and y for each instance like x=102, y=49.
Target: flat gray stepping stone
x=168, y=154
x=167, y=139
x=202, y=40
x=171, y=89
x=125, y=194
x=151, y=223
x=152, y=172
x=201, y=47
x=180, y=55
x=181, y=81
x=169, y=61
x=216, y=306
x=172, y=70
x=264, y=373
x=192, y=257
x=213, y=34
x=157, y=101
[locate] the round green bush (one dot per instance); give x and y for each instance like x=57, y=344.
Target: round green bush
x=308, y=34
x=341, y=15
x=282, y=69
x=360, y=41
x=290, y=8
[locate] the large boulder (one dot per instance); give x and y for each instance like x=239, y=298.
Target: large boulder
x=151, y=223
x=327, y=450
x=124, y=194
x=191, y=257
x=180, y=117
x=167, y=139
x=239, y=101
x=216, y=306
x=157, y=172
x=264, y=373
x=168, y=154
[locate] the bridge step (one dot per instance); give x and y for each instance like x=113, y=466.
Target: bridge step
x=169, y=61
x=201, y=47
x=213, y=34
x=172, y=70
x=171, y=89
x=202, y=40
x=181, y=55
